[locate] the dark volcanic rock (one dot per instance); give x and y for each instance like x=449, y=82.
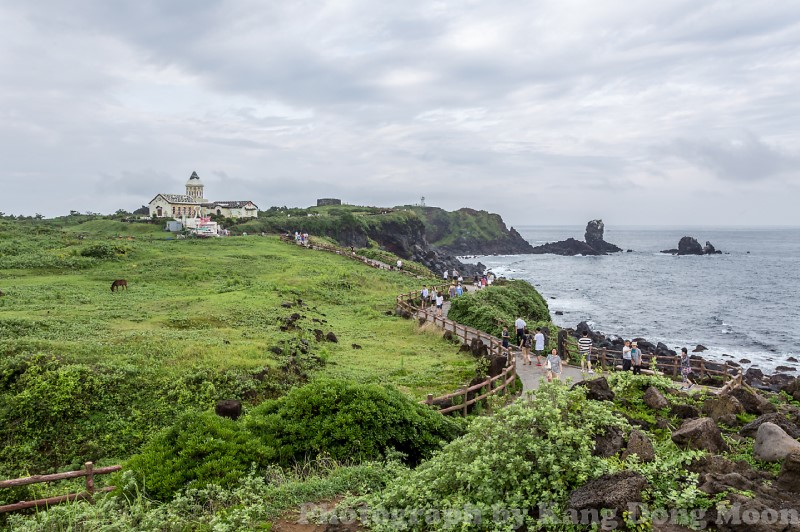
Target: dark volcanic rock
x=593, y=244
x=229, y=408
x=610, y=443
x=684, y=411
x=640, y=445
x=594, y=237
x=689, y=246
x=331, y=337
x=709, y=249
x=789, y=477
x=751, y=429
x=723, y=408
x=702, y=434
x=597, y=389
x=567, y=247
x=699, y=349
x=753, y=374
x=496, y=365
x=655, y=399
x=752, y=402
x=614, y=491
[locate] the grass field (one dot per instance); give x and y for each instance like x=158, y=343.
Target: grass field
x=201, y=320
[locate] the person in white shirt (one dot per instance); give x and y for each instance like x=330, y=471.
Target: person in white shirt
x=424, y=295
x=519, y=325
x=626, y=356
x=538, y=345
x=439, y=303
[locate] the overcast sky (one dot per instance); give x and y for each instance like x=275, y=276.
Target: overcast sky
x=547, y=112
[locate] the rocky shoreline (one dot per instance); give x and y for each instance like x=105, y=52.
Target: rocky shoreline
x=754, y=376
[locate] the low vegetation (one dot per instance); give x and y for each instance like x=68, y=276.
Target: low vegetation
x=490, y=308
x=87, y=374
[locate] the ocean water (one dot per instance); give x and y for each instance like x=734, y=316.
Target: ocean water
x=740, y=305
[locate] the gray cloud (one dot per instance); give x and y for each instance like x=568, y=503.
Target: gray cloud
x=742, y=157
x=494, y=105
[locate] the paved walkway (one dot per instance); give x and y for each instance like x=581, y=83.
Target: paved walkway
x=530, y=375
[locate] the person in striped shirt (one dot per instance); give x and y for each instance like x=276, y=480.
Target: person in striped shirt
x=585, y=347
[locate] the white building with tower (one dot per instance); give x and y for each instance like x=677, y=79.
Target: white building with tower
x=194, y=205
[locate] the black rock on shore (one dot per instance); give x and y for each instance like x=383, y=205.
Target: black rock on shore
x=690, y=246
x=594, y=243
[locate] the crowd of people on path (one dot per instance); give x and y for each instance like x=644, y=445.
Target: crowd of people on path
x=632, y=359
x=532, y=345
x=432, y=296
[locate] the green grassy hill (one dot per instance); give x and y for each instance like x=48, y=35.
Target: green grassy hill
x=88, y=374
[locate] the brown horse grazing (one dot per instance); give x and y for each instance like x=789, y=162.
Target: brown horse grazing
x=119, y=283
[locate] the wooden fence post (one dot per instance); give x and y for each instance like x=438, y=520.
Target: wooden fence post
x=429, y=400
x=603, y=354
x=466, y=394
x=89, y=478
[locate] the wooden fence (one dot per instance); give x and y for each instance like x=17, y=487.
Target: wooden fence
x=506, y=378
x=88, y=471
x=610, y=359
x=492, y=385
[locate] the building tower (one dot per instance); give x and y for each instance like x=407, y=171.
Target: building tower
x=194, y=188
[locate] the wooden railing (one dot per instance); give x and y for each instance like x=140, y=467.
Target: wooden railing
x=506, y=378
x=610, y=359
x=88, y=471
x=408, y=303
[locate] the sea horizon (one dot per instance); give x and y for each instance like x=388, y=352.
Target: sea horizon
x=742, y=305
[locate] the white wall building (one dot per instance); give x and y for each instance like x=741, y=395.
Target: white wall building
x=194, y=205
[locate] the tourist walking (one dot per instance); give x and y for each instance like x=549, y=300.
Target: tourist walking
x=459, y=290
x=399, y=264
x=444, y=276
x=527, y=345
x=520, y=325
x=505, y=337
x=424, y=295
x=636, y=358
x=439, y=302
x=452, y=291
x=585, y=348
x=686, y=369
x=554, y=366
x=538, y=345
x=626, y=356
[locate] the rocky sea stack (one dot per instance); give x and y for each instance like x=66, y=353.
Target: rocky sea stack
x=690, y=246
x=593, y=244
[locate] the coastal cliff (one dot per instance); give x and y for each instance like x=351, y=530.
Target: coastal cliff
x=428, y=235
x=470, y=232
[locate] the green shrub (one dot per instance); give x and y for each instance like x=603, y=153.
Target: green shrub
x=528, y=453
x=104, y=250
x=500, y=304
x=348, y=421
x=198, y=450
